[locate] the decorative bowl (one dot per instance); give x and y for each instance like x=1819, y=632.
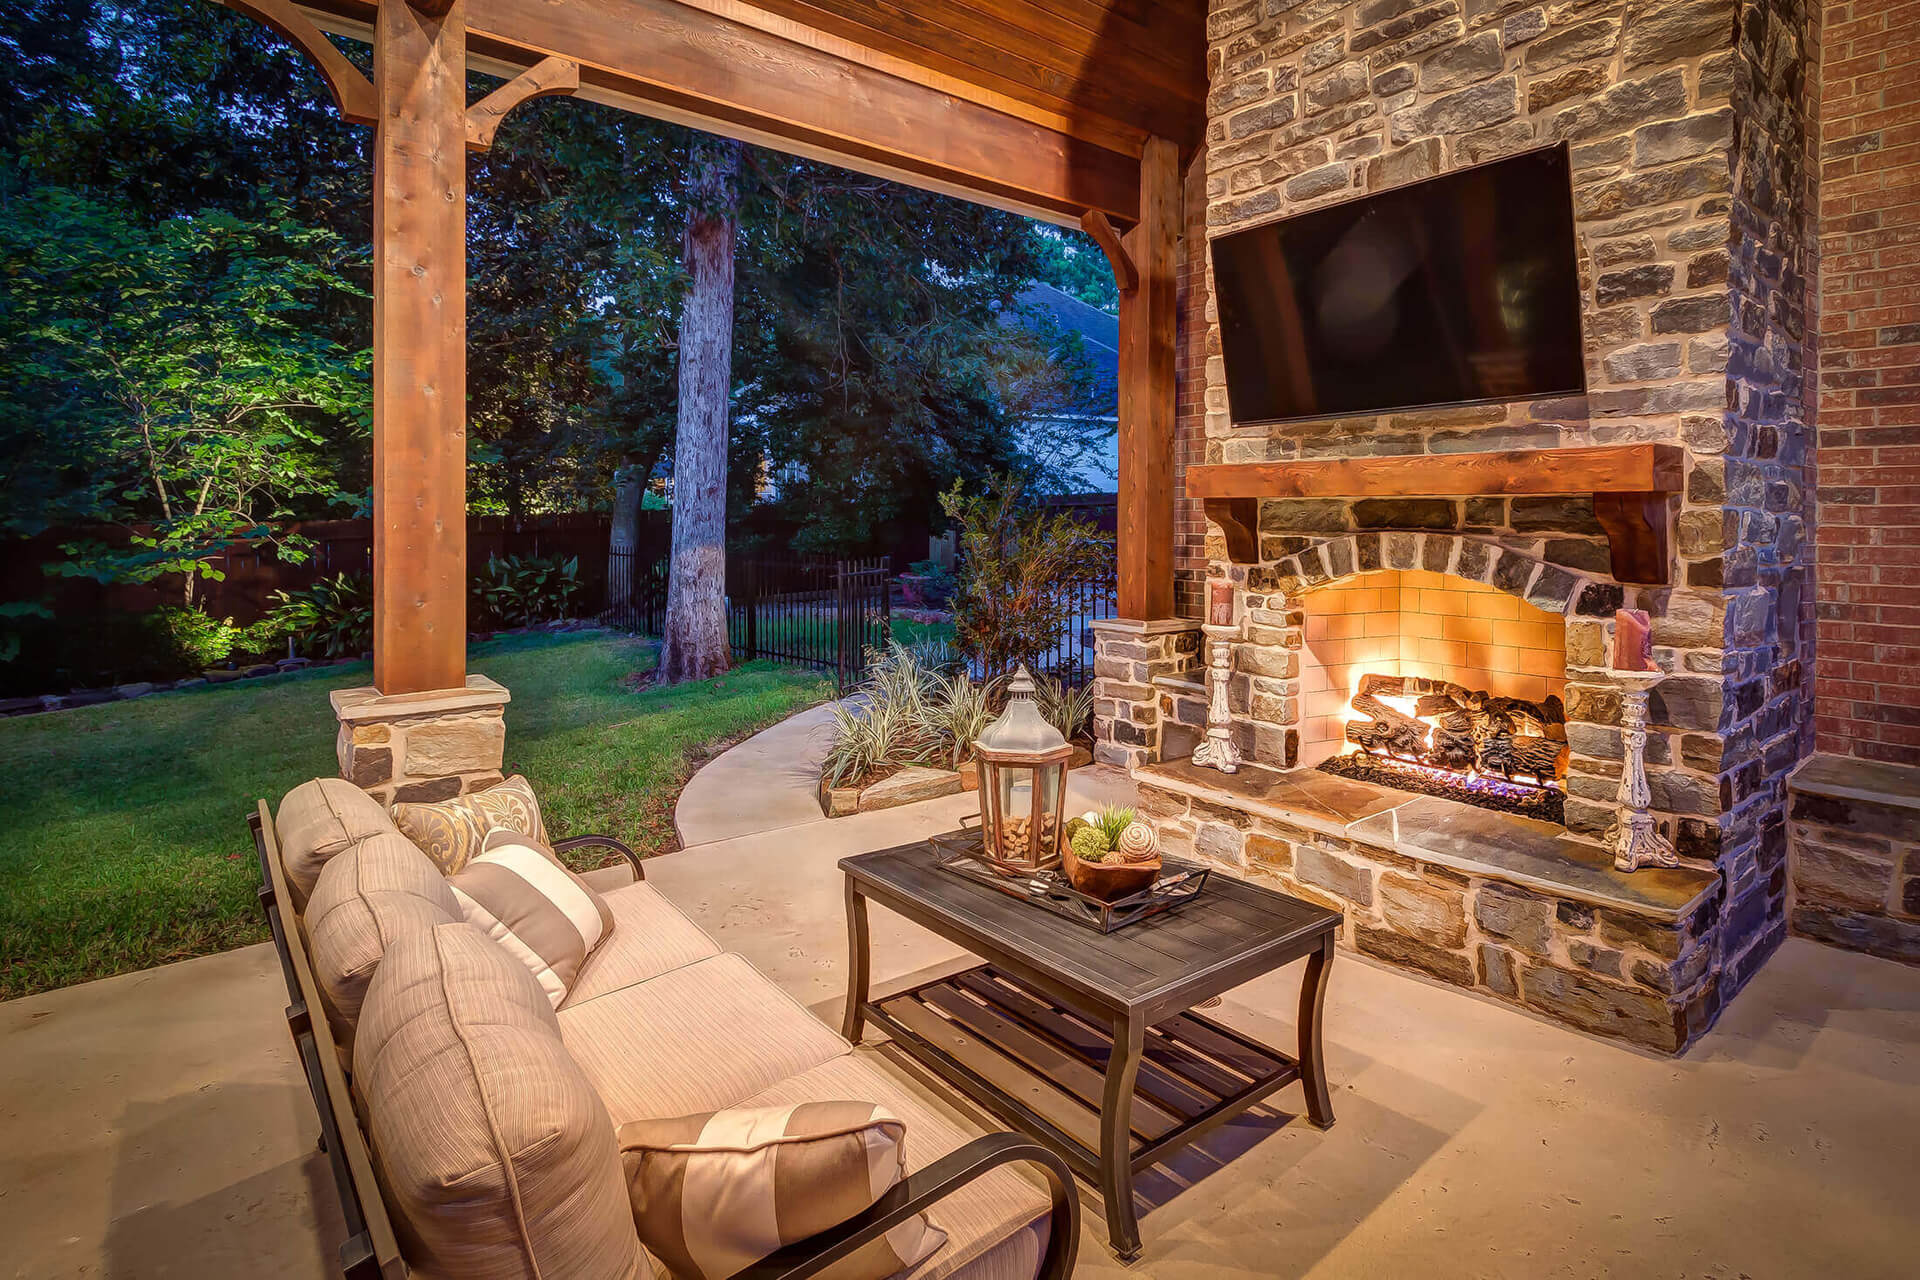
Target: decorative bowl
x=1106, y=880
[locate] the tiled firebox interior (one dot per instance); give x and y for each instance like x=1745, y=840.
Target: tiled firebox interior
x=1419, y=623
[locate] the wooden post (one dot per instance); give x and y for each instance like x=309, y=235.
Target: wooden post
x=419, y=348
x=1148, y=329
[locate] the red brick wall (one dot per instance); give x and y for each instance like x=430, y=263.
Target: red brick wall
x=1190, y=398
x=1868, y=496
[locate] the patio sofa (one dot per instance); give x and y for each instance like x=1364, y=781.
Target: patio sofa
x=477, y=1138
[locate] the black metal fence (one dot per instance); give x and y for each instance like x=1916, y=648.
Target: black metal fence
x=826, y=613
x=1087, y=601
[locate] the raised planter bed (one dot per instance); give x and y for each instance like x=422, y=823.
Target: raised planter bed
x=912, y=785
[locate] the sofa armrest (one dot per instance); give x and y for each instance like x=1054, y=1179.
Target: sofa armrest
x=920, y=1191
x=582, y=842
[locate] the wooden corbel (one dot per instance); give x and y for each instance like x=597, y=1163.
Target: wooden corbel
x=1239, y=521
x=544, y=79
x=1095, y=224
x=352, y=92
x=1639, y=535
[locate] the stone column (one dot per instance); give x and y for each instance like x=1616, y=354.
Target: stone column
x=1128, y=654
x=422, y=746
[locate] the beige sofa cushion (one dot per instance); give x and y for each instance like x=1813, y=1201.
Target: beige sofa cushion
x=522, y=896
x=699, y=1038
x=452, y=832
x=717, y=1192
x=318, y=820
x=364, y=899
x=992, y=1223
x=496, y=1157
x=650, y=937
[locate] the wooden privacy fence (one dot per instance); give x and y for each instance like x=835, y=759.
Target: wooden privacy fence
x=822, y=613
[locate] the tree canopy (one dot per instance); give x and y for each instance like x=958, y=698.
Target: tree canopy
x=183, y=339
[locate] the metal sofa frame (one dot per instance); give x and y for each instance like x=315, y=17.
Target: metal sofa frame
x=371, y=1250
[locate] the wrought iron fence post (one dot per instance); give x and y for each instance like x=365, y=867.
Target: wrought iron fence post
x=840, y=626
x=753, y=612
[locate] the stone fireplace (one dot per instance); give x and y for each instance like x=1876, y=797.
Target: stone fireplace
x=1692, y=207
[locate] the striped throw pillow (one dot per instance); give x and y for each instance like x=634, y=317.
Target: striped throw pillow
x=715, y=1193
x=520, y=894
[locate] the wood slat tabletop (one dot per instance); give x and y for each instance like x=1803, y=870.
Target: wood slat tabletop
x=1232, y=931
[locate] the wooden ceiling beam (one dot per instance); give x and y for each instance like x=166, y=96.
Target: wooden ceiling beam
x=680, y=62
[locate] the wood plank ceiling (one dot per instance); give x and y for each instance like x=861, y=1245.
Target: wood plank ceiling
x=1042, y=106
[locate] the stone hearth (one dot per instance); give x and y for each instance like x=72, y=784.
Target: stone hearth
x=1501, y=904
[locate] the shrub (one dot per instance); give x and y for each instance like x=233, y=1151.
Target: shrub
x=333, y=618
x=885, y=726
x=937, y=583
x=198, y=639
x=522, y=590
x=1066, y=707
x=1017, y=572
x=958, y=709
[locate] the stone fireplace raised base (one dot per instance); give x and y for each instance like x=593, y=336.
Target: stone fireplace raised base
x=1500, y=904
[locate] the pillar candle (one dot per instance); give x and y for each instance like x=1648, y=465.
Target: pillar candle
x=1632, y=640
x=1220, y=604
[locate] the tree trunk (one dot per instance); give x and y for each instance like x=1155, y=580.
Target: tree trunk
x=696, y=626
x=629, y=484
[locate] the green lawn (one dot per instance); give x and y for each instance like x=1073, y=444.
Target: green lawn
x=125, y=824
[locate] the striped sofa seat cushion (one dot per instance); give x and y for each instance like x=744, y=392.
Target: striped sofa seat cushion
x=714, y=1193
x=453, y=832
x=364, y=899
x=519, y=892
x=650, y=937
x=496, y=1157
x=996, y=1226
x=319, y=820
x=701, y=1037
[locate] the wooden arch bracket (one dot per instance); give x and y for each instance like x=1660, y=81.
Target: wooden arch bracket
x=352, y=91
x=1095, y=224
x=1239, y=521
x=544, y=79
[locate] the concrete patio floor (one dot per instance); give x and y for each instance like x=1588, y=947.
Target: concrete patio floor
x=155, y=1124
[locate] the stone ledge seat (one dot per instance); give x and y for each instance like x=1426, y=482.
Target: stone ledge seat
x=1509, y=906
x=660, y=1023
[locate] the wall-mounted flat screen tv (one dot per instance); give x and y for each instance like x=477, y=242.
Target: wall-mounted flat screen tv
x=1454, y=290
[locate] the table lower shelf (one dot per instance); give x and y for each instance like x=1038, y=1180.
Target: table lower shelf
x=1043, y=1066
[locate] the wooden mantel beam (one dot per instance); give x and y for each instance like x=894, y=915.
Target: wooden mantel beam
x=693, y=66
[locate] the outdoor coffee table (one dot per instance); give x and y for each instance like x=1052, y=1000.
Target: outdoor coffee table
x=1031, y=1034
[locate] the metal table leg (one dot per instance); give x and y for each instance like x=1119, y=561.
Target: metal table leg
x=859, y=964
x=1116, y=1137
x=1313, y=1059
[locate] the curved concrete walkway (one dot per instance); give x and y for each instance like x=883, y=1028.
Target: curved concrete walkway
x=770, y=783
x=766, y=783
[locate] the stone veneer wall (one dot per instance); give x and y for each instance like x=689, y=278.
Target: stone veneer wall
x=1691, y=198
x=1856, y=855
x=422, y=746
x=1869, y=382
x=1648, y=979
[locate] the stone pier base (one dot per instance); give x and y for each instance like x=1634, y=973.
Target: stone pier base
x=422, y=746
x=1128, y=655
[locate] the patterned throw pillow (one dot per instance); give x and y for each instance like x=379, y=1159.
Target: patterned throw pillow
x=452, y=831
x=521, y=895
x=714, y=1193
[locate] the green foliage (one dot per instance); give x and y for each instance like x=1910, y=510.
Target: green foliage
x=1074, y=264
x=1066, y=707
x=333, y=618
x=519, y=591
x=1111, y=820
x=1090, y=843
x=176, y=368
x=1017, y=569
x=937, y=582
x=887, y=724
x=958, y=709
x=199, y=640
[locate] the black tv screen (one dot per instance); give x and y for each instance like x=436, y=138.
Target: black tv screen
x=1457, y=289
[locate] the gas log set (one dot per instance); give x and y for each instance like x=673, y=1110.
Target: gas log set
x=1465, y=744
